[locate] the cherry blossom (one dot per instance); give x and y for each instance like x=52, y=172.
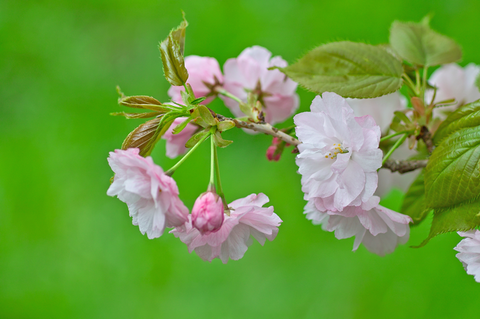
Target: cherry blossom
x=381, y=109
x=151, y=196
x=339, y=154
x=454, y=82
x=207, y=213
x=469, y=252
x=176, y=142
x=247, y=218
x=380, y=229
x=249, y=72
x=203, y=74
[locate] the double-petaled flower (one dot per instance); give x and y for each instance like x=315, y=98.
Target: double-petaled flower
x=151, y=196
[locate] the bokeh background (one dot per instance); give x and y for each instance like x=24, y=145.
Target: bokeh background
x=67, y=250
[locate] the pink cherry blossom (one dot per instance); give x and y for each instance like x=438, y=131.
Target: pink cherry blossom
x=249, y=72
x=207, y=213
x=339, y=154
x=176, y=142
x=201, y=71
x=378, y=228
x=151, y=196
x=247, y=218
x=381, y=109
x=453, y=81
x=469, y=252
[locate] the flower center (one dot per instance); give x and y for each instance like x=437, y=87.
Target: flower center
x=336, y=149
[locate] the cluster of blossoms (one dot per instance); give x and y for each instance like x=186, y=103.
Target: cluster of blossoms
x=243, y=75
x=338, y=146
x=339, y=158
x=213, y=229
x=153, y=202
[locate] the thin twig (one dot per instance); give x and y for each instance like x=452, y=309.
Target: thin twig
x=404, y=166
x=263, y=128
x=426, y=136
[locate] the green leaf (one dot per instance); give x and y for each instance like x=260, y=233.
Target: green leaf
x=198, y=101
x=141, y=136
x=225, y=125
x=466, y=116
x=414, y=202
x=396, y=126
x=419, y=45
x=178, y=34
x=143, y=102
x=402, y=117
x=219, y=141
x=171, y=50
x=477, y=82
x=181, y=126
x=458, y=218
x=350, y=69
x=196, y=138
x=145, y=115
x=453, y=172
x=206, y=116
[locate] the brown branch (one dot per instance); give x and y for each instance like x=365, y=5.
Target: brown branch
x=404, y=166
x=263, y=128
x=426, y=136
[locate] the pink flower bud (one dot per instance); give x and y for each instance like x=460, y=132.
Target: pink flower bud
x=276, y=143
x=207, y=213
x=271, y=153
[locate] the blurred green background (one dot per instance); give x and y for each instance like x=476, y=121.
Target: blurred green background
x=67, y=250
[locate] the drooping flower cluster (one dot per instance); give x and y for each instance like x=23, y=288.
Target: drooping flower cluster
x=469, y=252
x=339, y=158
x=152, y=196
x=153, y=202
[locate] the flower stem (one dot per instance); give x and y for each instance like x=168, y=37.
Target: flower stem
x=218, y=181
x=424, y=83
x=393, y=135
x=174, y=167
x=228, y=94
x=417, y=80
x=212, y=163
x=394, y=147
x=410, y=83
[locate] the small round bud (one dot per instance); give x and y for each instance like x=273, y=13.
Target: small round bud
x=271, y=153
x=207, y=213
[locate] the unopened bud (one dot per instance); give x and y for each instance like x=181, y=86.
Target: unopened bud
x=275, y=150
x=271, y=156
x=207, y=213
